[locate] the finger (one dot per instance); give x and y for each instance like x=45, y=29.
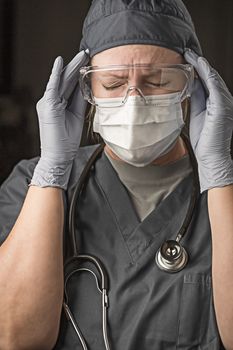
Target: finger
x=70, y=74
x=196, y=127
x=213, y=80
x=77, y=103
x=198, y=98
x=192, y=58
x=200, y=64
x=209, y=76
x=54, y=79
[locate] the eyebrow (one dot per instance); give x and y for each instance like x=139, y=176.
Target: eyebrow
x=112, y=75
x=121, y=76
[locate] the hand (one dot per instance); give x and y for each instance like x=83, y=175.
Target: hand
x=61, y=114
x=213, y=145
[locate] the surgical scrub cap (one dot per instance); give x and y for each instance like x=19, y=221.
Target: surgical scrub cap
x=165, y=23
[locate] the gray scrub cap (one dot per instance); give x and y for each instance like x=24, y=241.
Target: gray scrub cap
x=165, y=23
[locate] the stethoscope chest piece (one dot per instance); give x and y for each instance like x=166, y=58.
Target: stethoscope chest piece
x=171, y=257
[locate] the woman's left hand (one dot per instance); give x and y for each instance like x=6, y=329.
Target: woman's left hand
x=213, y=147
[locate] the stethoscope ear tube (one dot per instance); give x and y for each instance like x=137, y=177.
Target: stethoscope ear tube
x=75, y=261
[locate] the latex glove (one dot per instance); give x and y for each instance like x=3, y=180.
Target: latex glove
x=213, y=146
x=61, y=123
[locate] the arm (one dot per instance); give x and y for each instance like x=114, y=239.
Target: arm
x=220, y=204
x=31, y=274
x=212, y=147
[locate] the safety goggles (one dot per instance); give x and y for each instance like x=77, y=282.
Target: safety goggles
x=115, y=83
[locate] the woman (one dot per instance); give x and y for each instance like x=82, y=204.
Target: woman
x=136, y=196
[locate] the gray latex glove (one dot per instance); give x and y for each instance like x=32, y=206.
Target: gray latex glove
x=61, y=116
x=213, y=145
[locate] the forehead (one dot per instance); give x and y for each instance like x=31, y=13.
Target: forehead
x=131, y=54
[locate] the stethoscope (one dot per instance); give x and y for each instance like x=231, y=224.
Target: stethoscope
x=170, y=257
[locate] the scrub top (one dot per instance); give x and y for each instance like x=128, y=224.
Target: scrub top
x=148, y=308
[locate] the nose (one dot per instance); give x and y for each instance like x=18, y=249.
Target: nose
x=135, y=91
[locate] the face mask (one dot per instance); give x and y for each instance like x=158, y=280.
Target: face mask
x=139, y=133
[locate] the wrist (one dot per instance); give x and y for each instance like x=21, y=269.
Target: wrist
x=47, y=173
x=214, y=175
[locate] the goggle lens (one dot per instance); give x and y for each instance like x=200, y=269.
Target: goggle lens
x=116, y=81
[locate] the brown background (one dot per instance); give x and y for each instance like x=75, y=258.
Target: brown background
x=34, y=32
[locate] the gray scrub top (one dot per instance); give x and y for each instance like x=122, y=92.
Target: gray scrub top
x=148, y=308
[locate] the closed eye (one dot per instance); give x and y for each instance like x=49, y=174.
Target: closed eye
x=158, y=85
x=113, y=86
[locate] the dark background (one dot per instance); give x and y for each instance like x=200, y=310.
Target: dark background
x=34, y=32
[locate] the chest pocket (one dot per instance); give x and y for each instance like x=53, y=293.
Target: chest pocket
x=197, y=327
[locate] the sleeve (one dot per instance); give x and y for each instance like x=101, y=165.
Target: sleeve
x=12, y=194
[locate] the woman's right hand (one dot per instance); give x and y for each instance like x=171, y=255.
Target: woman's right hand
x=61, y=113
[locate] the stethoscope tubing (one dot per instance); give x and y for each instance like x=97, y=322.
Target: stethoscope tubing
x=77, y=191
x=75, y=326
x=103, y=289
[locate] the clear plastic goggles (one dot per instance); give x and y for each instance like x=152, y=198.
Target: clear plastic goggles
x=117, y=83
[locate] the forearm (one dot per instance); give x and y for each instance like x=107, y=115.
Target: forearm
x=220, y=204
x=31, y=274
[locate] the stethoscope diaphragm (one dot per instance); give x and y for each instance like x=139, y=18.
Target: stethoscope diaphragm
x=171, y=256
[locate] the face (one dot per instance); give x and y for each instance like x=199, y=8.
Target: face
x=141, y=54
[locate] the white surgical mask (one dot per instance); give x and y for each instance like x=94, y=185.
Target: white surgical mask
x=139, y=133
